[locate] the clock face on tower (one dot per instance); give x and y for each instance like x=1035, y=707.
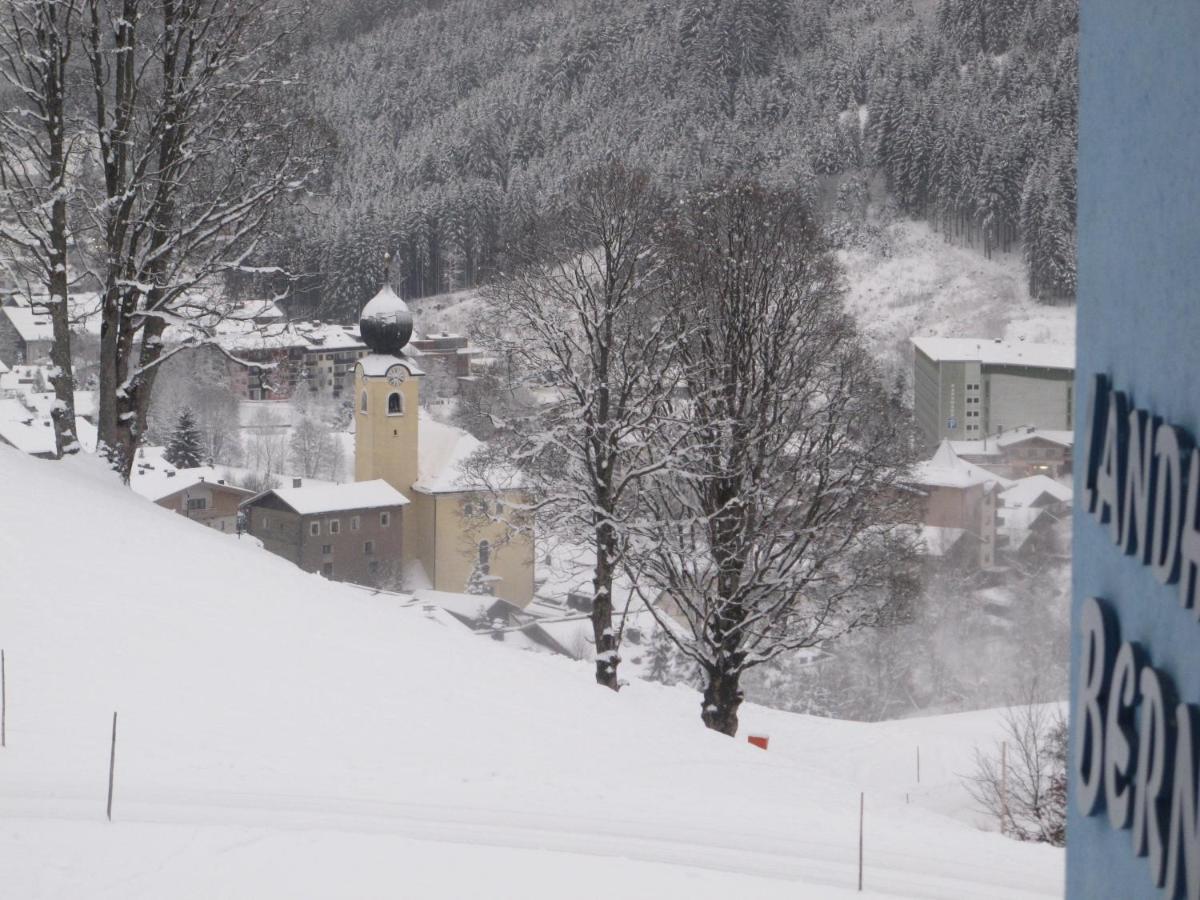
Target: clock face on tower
x=397, y=375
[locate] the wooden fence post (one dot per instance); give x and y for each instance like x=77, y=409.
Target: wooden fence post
x=112, y=765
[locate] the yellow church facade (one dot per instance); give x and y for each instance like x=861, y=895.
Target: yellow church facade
x=455, y=532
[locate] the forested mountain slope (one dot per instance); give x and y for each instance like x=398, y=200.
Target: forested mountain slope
x=452, y=121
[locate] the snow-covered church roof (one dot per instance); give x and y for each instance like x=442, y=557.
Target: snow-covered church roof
x=444, y=453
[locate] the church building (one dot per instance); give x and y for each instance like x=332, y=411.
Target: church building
x=455, y=530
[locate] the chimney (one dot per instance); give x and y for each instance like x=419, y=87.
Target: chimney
x=296, y=482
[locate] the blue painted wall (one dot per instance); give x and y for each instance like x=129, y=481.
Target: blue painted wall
x=1139, y=322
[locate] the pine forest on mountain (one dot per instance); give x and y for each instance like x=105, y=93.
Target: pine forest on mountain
x=450, y=124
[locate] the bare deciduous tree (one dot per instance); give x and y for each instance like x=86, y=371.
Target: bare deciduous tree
x=582, y=320
x=764, y=534
x=36, y=150
x=1022, y=782
x=196, y=149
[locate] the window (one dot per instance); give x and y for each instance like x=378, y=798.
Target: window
x=369, y=548
x=266, y=523
x=327, y=549
x=395, y=404
x=385, y=519
x=485, y=557
x=314, y=528
x=335, y=526
x=362, y=406
x=354, y=523
x=327, y=569
x=197, y=503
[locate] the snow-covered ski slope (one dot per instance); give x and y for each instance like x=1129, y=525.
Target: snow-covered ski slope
x=281, y=736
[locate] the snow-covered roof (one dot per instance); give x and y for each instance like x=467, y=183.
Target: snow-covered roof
x=1020, y=435
x=314, y=499
x=240, y=336
x=946, y=469
x=985, y=447
x=465, y=606
x=3, y=368
x=25, y=429
x=328, y=336
x=155, y=479
x=997, y=352
x=444, y=453
x=1027, y=491
x=257, y=309
x=376, y=365
x=31, y=325
x=444, y=449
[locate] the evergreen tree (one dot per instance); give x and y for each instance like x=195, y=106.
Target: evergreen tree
x=185, y=447
x=477, y=583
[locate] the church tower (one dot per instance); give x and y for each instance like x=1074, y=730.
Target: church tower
x=386, y=396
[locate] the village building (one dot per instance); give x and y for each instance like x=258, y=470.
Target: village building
x=1021, y=452
x=1030, y=516
x=346, y=532
x=211, y=503
x=26, y=335
x=202, y=494
x=972, y=388
x=969, y=514
x=457, y=530
x=958, y=499
x=280, y=362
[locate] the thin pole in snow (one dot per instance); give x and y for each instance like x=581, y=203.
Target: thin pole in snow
x=918, y=763
x=112, y=766
x=3, y=703
x=1004, y=787
x=861, y=809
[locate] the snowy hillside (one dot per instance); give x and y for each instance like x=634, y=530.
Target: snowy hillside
x=922, y=286
x=927, y=287
x=283, y=736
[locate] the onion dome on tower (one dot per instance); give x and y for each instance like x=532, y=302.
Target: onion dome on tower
x=386, y=323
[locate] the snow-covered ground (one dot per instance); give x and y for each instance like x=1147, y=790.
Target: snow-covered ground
x=283, y=736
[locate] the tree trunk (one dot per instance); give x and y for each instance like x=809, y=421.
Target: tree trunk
x=722, y=699
x=602, y=609
x=62, y=374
